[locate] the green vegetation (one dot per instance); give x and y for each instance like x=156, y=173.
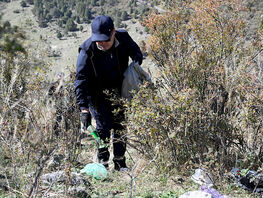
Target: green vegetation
x=23, y=4
x=59, y=35
x=85, y=11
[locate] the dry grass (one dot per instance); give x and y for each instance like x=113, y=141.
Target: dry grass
x=144, y=179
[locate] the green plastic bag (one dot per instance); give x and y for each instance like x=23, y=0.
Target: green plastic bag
x=96, y=170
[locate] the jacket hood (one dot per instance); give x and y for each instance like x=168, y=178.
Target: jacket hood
x=86, y=45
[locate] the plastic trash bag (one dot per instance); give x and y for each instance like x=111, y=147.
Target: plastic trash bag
x=96, y=170
x=248, y=179
x=196, y=194
x=204, y=192
x=213, y=192
x=134, y=75
x=202, y=177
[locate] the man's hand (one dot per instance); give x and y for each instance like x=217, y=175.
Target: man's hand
x=85, y=118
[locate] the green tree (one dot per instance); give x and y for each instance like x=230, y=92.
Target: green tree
x=38, y=4
x=131, y=10
x=23, y=4
x=80, y=9
x=135, y=14
x=60, y=23
x=102, y=2
x=59, y=35
x=118, y=22
x=70, y=25
x=6, y=26
x=30, y=2
x=66, y=31
x=48, y=17
x=93, y=2
x=68, y=13
x=124, y=15
x=11, y=38
x=78, y=19
x=42, y=23
x=64, y=9
x=55, y=12
x=74, y=35
x=87, y=14
x=64, y=19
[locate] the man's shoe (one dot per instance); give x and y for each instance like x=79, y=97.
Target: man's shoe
x=120, y=165
x=124, y=169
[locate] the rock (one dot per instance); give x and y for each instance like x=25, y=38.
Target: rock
x=55, y=162
x=81, y=192
x=49, y=178
x=76, y=179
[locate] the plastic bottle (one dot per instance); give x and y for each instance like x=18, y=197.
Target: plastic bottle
x=92, y=131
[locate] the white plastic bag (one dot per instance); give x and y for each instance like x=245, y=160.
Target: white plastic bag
x=202, y=177
x=196, y=194
x=133, y=77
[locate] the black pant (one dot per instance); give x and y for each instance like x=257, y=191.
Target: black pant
x=106, y=120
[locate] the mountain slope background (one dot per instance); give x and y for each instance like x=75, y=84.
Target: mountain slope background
x=60, y=53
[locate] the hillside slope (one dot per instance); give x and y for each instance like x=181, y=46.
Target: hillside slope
x=59, y=53
x=145, y=179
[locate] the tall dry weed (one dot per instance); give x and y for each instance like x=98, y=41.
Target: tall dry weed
x=35, y=125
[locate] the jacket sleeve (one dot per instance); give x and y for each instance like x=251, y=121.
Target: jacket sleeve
x=134, y=50
x=81, y=80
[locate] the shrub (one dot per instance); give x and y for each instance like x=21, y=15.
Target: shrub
x=74, y=35
x=206, y=105
x=70, y=25
x=30, y=119
x=93, y=2
x=59, y=35
x=42, y=23
x=23, y=4
x=31, y=2
x=124, y=15
x=16, y=11
x=55, y=12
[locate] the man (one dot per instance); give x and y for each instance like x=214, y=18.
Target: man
x=102, y=60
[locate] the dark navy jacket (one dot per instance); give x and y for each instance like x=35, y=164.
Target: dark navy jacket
x=98, y=70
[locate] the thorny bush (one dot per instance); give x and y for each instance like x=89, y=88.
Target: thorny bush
x=38, y=119
x=206, y=108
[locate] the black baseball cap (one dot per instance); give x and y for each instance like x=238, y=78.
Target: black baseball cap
x=101, y=27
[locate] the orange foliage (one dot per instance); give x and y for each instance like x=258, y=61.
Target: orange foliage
x=206, y=72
